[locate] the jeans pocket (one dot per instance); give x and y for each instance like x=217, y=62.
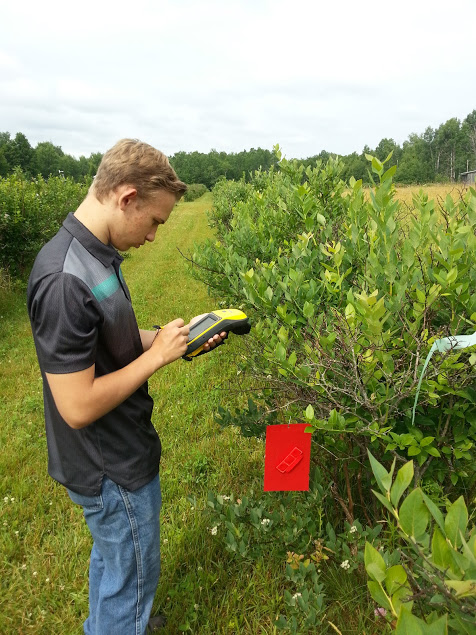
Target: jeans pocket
x=93, y=503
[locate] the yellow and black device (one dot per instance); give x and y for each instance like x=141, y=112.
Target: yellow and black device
x=223, y=320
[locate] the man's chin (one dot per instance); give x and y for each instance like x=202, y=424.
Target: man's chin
x=125, y=248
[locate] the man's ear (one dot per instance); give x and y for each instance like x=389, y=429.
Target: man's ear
x=126, y=195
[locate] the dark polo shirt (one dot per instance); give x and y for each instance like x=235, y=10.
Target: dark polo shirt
x=81, y=314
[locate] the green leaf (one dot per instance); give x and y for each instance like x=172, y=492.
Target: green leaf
x=402, y=481
x=374, y=563
x=435, y=512
x=452, y=275
x=383, y=478
x=391, y=224
x=283, y=335
x=413, y=514
x=395, y=579
x=292, y=359
x=463, y=626
x=440, y=551
x=456, y=521
x=390, y=172
x=420, y=296
x=426, y=441
x=308, y=310
x=408, y=624
x=280, y=352
x=463, y=588
x=310, y=412
x=375, y=572
x=438, y=627
x=401, y=596
x=376, y=165
x=349, y=311
x=385, y=502
x=468, y=552
x=379, y=595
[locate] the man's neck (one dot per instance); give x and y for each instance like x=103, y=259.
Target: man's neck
x=94, y=215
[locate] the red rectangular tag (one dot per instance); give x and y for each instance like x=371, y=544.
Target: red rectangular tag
x=287, y=459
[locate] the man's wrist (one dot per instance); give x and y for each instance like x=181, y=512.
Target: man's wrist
x=159, y=328
x=155, y=357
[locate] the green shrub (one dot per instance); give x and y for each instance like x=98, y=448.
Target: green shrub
x=226, y=195
x=293, y=528
x=31, y=212
x=194, y=191
x=437, y=579
x=347, y=293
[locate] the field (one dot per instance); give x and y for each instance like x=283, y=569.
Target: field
x=437, y=192
x=44, y=541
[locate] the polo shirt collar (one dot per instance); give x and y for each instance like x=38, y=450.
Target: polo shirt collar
x=106, y=254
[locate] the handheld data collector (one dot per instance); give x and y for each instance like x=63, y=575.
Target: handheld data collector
x=223, y=320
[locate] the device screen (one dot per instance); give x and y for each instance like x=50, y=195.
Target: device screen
x=201, y=326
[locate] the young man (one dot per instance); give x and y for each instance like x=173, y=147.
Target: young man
x=95, y=363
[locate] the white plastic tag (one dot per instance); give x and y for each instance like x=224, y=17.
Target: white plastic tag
x=444, y=345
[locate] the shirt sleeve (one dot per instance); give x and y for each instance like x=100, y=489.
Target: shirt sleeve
x=65, y=319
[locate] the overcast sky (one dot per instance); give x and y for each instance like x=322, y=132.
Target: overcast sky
x=234, y=74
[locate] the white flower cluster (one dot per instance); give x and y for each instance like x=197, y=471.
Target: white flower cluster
x=265, y=521
x=214, y=530
x=353, y=529
x=345, y=565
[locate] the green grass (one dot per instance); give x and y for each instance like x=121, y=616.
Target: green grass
x=45, y=544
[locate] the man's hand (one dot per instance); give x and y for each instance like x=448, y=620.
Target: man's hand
x=213, y=341
x=171, y=341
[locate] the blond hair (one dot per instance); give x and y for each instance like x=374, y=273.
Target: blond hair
x=136, y=163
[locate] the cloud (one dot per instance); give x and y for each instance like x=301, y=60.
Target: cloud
x=194, y=76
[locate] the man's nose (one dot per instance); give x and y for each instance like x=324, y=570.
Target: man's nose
x=151, y=235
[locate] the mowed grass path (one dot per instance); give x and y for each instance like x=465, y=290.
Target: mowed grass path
x=44, y=542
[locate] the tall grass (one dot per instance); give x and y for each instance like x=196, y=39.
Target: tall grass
x=437, y=192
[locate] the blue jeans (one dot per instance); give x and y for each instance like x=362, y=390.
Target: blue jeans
x=125, y=559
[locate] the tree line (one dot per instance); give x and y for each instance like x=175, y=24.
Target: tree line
x=45, y=159
x=437, y=155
